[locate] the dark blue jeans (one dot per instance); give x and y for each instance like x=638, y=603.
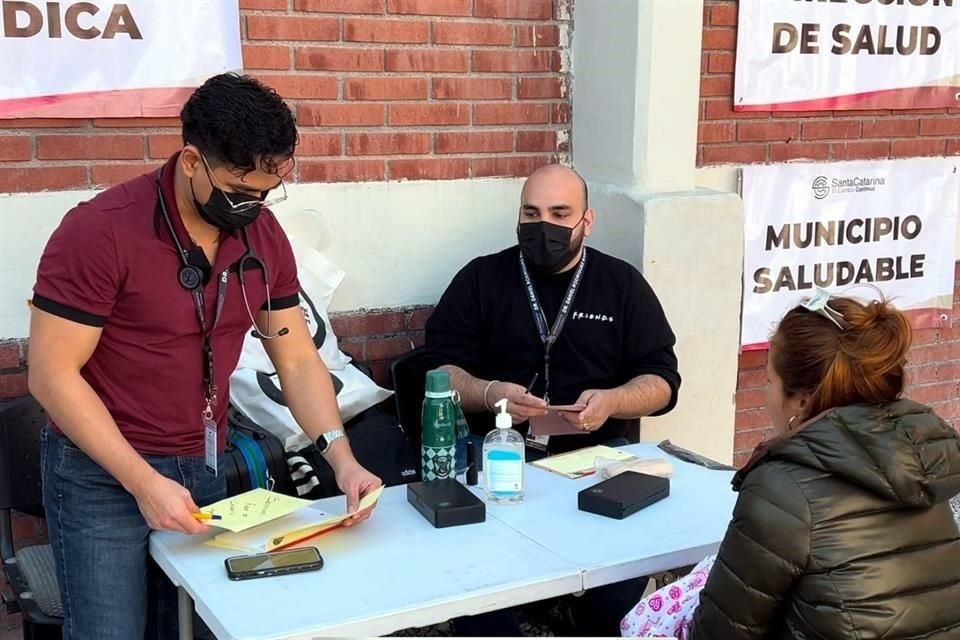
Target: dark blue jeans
x=111, y=589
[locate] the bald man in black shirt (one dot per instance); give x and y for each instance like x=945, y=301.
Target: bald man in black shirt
x=610, y=350
x=585, y=325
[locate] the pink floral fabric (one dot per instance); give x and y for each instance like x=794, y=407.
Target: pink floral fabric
x=668, y=612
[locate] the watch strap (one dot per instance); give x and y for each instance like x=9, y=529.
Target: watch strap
x=328, y=438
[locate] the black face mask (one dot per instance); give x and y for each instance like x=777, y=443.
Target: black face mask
x=547, y=246
x=220, y=213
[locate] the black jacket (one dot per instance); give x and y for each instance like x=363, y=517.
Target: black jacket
x=843, y=532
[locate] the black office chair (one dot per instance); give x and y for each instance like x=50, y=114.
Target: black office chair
x=30, y=571
x=408, y=373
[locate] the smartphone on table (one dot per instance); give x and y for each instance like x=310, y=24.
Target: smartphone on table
x=274, y=563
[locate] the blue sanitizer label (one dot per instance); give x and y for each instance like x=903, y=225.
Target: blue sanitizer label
x=438, y=462
x=505, y=471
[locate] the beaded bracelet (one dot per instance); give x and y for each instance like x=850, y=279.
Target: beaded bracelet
x=486, y=392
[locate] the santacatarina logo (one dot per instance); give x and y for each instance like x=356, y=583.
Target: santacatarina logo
x=821, y=189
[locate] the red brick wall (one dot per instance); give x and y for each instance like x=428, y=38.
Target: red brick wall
x=373, y=337
x=13, y=371
x=382, y=89
x=740, y=138
x=378, y=337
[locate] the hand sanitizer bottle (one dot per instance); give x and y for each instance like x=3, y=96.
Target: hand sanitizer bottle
x=503, y=461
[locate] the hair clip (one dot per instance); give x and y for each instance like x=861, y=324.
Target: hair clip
x=819, y=303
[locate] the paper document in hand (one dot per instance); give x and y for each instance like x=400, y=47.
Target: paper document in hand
x=252, y=508
x=304, y=523
x=580, y=463
x=270, y=535
x=553, y=424
x=567, y=408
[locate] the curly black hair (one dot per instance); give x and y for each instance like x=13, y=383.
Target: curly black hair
x=239, y=122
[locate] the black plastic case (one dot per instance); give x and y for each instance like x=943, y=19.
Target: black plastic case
x=446, y=503
x=623, y=495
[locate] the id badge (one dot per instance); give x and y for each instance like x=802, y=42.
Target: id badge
x=538, y=442
x=210, y=445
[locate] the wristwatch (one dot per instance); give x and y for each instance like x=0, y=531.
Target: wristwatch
x=327, y=438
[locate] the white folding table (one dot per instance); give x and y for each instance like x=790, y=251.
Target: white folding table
x=678, y=531
x=391, y=572
x=396, y=571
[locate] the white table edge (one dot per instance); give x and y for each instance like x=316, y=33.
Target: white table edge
x=440, y=611
x=601, y=576
x=435, y=612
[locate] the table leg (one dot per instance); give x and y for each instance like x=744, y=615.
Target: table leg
x=185, y=614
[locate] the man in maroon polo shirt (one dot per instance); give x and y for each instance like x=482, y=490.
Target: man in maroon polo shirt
x=143, y=297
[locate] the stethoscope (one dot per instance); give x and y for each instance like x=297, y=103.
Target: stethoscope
x=190, y=276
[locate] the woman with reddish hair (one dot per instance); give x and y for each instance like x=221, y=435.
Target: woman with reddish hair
x=842, y=529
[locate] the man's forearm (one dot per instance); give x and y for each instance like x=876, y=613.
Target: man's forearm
x=308, y=391
x=471, y=389
x=642, y=396
x=80, y=413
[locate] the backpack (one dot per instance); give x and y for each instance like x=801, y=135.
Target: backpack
x=254, y=457
x=378, y=443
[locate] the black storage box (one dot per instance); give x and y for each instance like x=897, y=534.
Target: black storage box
x=446, y=503
x=623, y=495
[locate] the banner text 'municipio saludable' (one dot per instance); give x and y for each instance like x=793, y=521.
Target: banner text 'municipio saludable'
x=803, y=235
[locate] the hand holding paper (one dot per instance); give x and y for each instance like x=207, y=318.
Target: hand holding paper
x=556, y=422
x=355, y=481
x=567, y=408
x=167, y=505
x=293, y=528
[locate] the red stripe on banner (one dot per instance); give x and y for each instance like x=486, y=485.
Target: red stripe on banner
x=906, y=98
x=925, y=318
x=162, y=102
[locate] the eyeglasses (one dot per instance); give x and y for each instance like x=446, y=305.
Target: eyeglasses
x=246, y=205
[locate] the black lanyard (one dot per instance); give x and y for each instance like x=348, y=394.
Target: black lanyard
x=208, y=374
x=549, y=337
x=200, y=304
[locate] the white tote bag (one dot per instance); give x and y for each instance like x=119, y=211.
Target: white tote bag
x=255, y=388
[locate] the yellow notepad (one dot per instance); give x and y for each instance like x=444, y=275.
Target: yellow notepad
x=579, y=463
x=252, y=508
x=287, y=529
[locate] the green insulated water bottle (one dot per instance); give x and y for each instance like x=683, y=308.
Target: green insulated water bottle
x=439, y=428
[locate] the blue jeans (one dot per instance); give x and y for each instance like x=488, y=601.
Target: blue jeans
x=110, y=587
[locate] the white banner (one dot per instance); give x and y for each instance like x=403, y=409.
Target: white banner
x=804, y=55
x=106, y=59
x=892, y=224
